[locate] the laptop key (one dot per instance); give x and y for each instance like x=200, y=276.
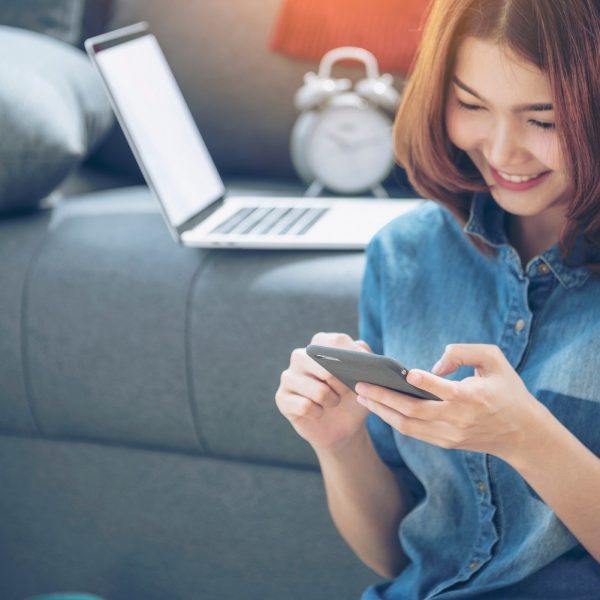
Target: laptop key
x=316, y=215
x=233, y=221
x=267, y=224
x=296, y=215
x=270, y=221
x=248, y=224
x=305, y=220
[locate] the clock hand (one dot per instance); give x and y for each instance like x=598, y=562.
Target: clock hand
x=338, y=139
x=369, y=141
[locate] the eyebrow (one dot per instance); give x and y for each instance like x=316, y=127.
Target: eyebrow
x=540, y=107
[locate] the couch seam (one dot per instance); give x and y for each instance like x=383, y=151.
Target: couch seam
x=201, y=439
x=148, y=447
x=23, y=325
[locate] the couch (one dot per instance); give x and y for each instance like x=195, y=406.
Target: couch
x=141, y=453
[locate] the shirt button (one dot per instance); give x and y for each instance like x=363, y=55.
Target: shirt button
x=544, y=268
x=520, y=325
x=481, y=487
x=473, y=565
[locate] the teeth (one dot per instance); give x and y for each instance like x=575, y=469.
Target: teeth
x=518, y=178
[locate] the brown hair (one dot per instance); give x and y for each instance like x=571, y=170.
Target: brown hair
x=563, y=40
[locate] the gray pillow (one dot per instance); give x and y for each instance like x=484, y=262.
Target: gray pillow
x=61, y=19
x=53, y=111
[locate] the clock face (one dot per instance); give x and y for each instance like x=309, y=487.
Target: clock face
x=350, y=148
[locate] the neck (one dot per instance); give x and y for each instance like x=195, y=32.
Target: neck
x=532, y=235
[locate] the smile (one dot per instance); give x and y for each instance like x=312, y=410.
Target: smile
x=518, y=178
x=518, y=182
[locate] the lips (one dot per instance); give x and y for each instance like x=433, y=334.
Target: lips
x=518, y=186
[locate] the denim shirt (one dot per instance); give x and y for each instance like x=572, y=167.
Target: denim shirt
x=478, y=530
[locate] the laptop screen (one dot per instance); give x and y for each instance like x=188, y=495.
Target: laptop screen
x=160, y=127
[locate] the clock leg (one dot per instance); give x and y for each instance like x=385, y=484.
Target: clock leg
x=379, y=192
x=314, y=189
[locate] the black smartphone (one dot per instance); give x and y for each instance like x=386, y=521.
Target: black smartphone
x=351, y=366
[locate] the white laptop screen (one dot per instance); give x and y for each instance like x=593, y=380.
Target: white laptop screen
x=160, y=127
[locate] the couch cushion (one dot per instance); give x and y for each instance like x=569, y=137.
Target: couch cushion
x=106, y=324
x=53, y=111
x=387, y=28
x=249, y=310
x=61, y=19
x=132, y=339
x=133, y=524
x=20, y=243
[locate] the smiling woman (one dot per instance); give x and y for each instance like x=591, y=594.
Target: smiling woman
x=513, y=150
x=491, y=493
x=490, y=122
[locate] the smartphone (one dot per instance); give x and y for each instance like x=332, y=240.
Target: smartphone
x=351, y=366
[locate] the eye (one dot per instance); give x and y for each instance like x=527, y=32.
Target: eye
x=466, y=106
x=546, y=126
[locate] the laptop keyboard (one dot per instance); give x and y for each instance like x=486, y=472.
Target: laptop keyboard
x=270, y=221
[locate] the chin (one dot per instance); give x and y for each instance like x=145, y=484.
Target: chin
x=520, y=204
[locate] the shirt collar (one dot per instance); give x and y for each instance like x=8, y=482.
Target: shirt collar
x=486, y=221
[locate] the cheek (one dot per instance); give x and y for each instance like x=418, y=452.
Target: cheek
x=546, y=148
x=460, y=128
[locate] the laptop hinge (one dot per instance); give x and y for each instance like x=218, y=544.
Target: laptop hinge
x=201, y=216
x=124, y=34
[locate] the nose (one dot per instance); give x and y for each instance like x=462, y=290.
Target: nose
x=502, y=147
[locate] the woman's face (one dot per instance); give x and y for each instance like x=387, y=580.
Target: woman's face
x=499, y=111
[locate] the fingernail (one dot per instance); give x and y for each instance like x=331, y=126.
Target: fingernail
x=437, y=367
x=413, y=377
x=361, y=388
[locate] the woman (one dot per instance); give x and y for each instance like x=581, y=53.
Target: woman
x=494, y=492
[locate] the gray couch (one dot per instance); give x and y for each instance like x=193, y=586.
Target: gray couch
x=141, y=452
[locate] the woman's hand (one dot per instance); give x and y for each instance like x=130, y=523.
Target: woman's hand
x=321, y=408
x=490, y=412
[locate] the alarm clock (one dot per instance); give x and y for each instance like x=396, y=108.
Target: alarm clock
x=342, y=140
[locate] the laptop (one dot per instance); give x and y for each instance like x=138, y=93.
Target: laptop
x=179, y=170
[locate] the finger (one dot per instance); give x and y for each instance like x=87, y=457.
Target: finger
x=428, y=410
x=294, y=407
x=334, y=340
x=417, y=428
x=323, y=375
x=304, y=365
x=314, y=389
x=438, y=386
x=484, y=357
x=364, y=345
x=337, y=340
